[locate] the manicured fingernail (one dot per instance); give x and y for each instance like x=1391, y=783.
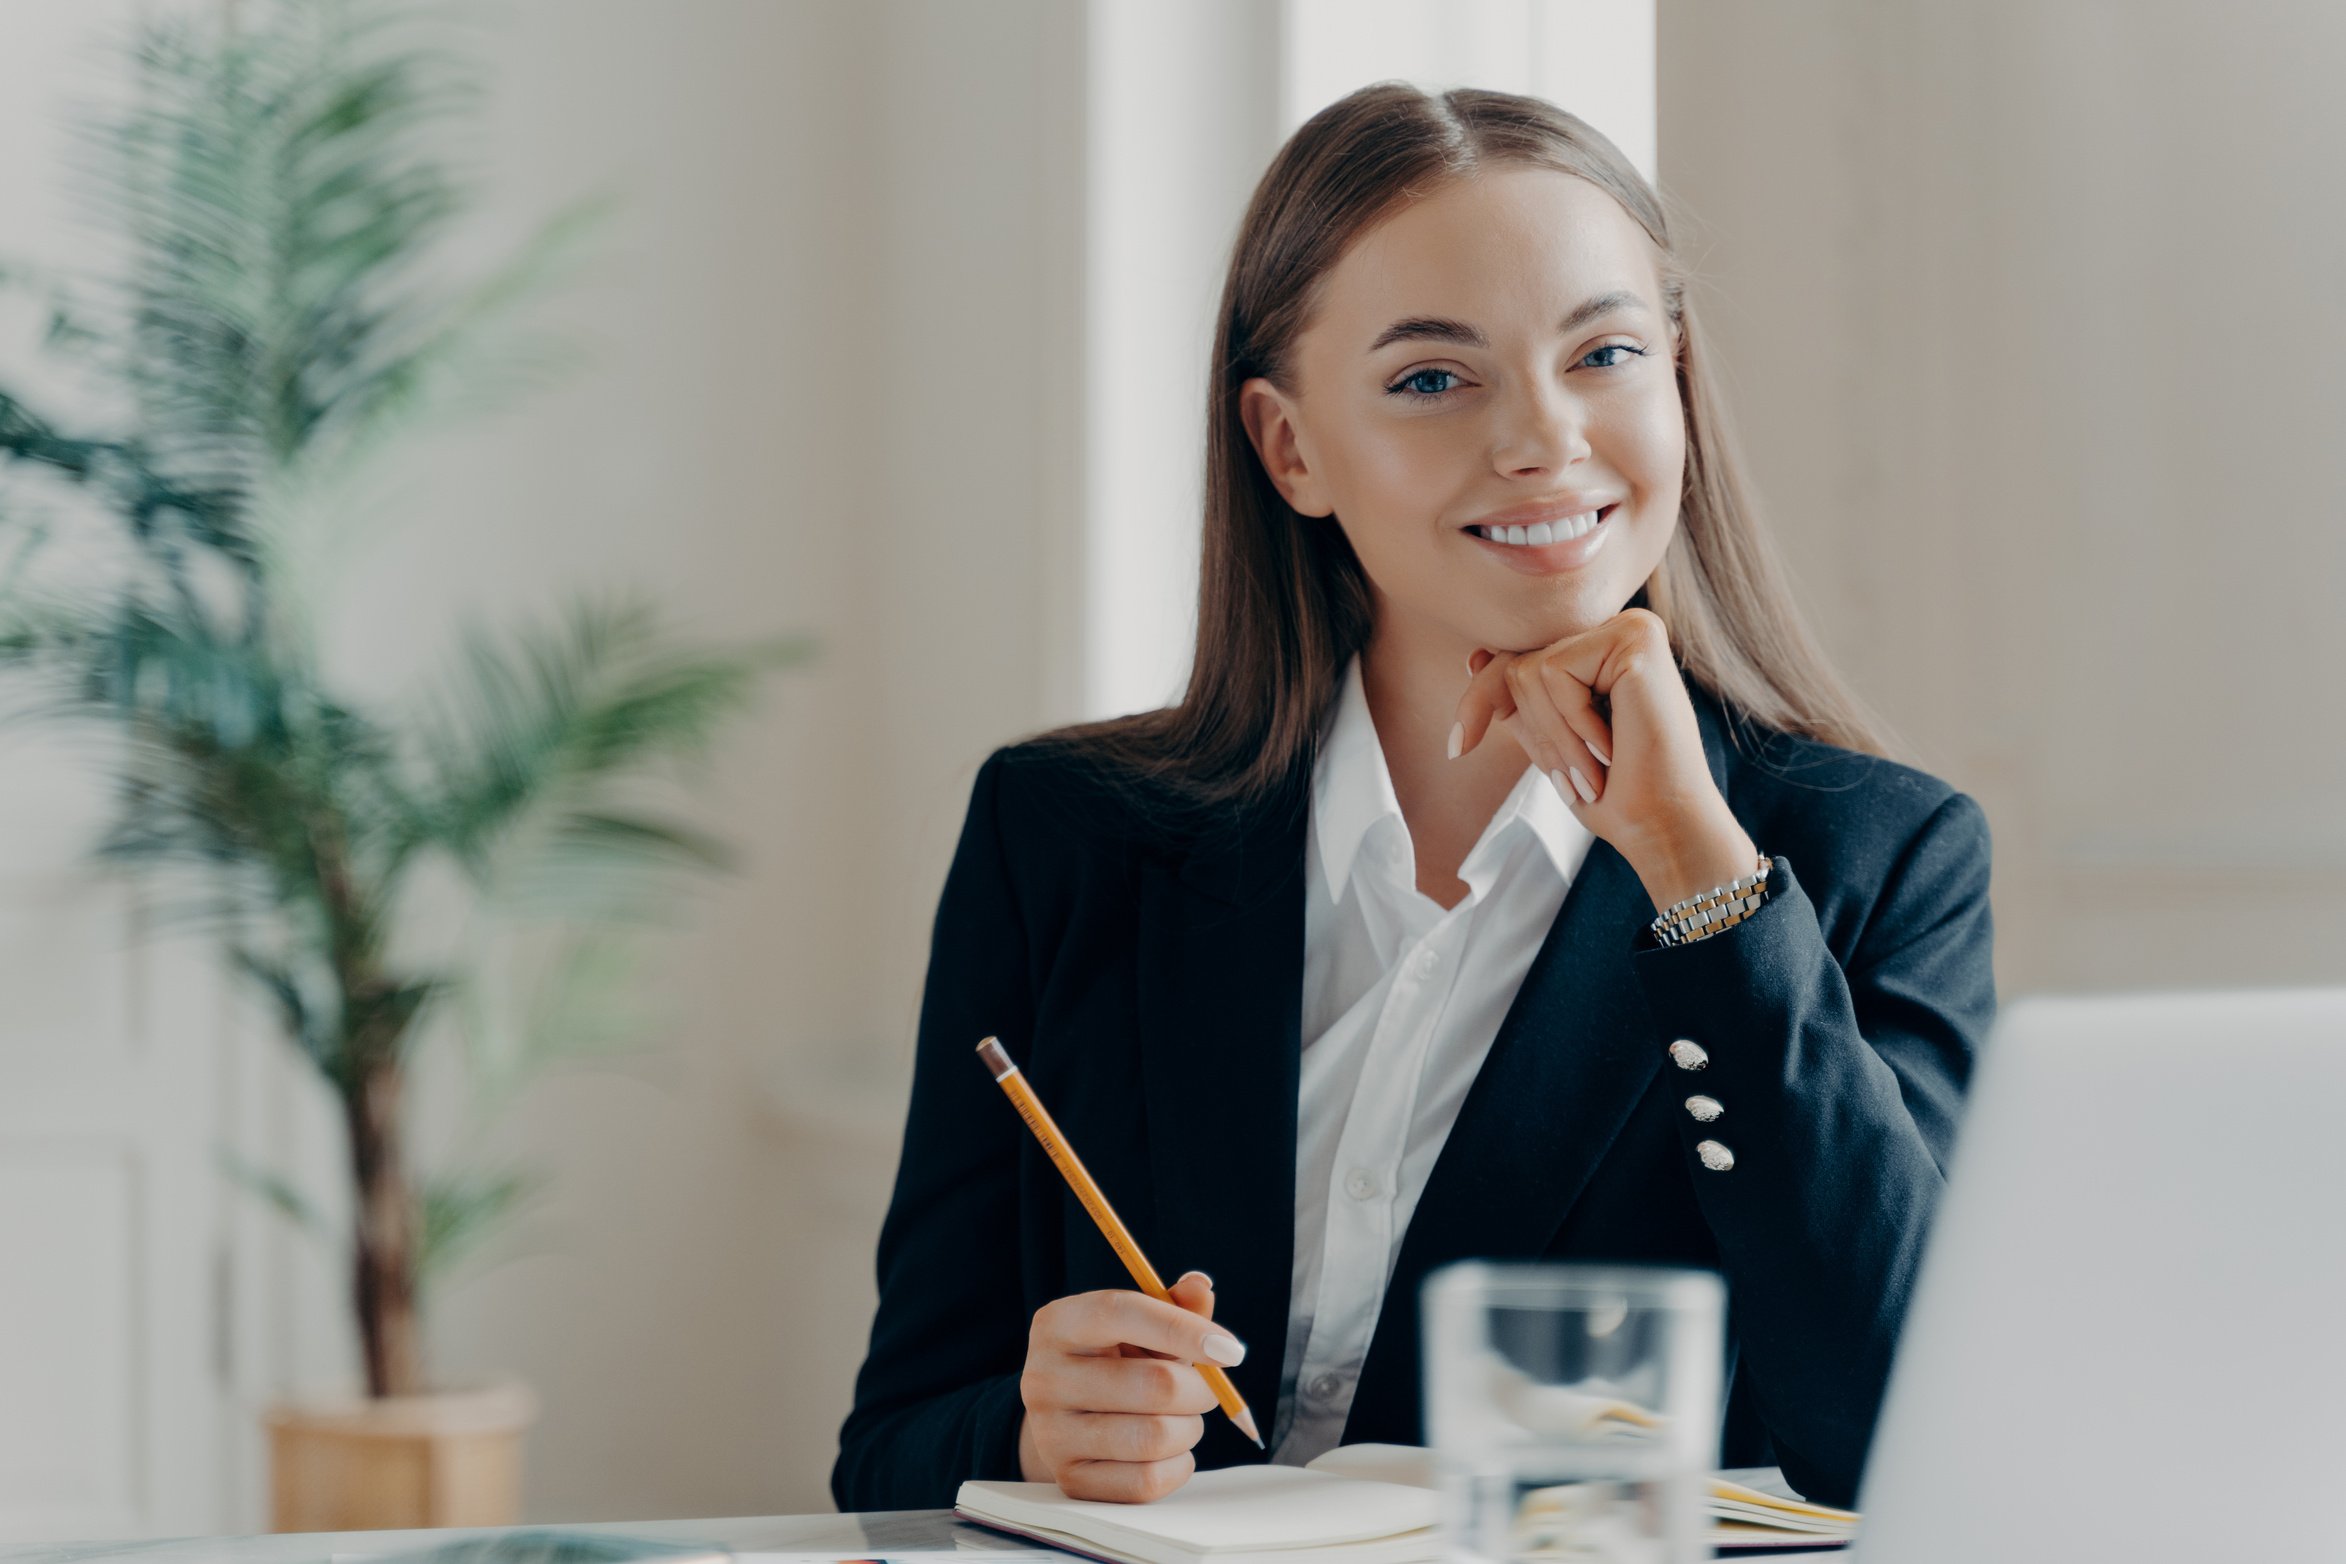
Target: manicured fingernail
x=1562, y=787
x=1225, y=1350
x=1201, y=1276
x=1588, y=795
x=1457, y=739
x=1597, y=750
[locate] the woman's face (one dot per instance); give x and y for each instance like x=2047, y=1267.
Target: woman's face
x=1493, y=355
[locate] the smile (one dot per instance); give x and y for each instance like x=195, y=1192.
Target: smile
x=1542, y=532
x=1549, y=546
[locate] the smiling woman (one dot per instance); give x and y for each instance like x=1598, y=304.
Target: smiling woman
x=1450, y=449
x=1418, y=267
x=1311, y=966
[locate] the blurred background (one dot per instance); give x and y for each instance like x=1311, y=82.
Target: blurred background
x=896, y=340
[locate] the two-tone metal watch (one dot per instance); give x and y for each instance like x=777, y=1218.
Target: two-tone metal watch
x=1707, y=912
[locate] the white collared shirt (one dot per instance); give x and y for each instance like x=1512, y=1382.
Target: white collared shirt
x=1400, y=1002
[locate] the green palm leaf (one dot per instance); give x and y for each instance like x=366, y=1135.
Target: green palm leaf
x=283, y=320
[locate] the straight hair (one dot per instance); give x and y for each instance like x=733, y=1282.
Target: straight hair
x=1283, y=604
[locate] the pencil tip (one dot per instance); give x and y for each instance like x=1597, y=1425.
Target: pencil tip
x=1246, y=1426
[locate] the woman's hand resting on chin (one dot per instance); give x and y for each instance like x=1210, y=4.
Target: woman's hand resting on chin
x=1609, y=705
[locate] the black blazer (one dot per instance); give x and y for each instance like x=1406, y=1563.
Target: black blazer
x=1150, y=984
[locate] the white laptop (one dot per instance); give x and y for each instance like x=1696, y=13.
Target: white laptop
x=2128, y=1340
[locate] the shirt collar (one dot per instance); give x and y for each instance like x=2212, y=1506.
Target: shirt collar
x=1351, y=787
x=1352, y=791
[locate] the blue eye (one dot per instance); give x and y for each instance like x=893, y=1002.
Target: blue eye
x=1407, y=385
x=1402, y=386
x=1613, y=347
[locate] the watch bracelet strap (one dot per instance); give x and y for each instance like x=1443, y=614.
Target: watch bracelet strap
x=1707, y=912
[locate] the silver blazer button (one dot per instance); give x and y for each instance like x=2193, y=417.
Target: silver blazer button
x=1688, y=1054
x=1714, y=1156
x=1704, y=1109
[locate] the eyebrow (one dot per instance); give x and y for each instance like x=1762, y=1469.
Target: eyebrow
x=1435, y=328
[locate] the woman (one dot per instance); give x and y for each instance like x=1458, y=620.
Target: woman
x=1380, y=950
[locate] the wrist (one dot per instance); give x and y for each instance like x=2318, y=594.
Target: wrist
x=1711, y=855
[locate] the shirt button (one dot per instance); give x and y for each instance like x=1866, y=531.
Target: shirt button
x=1714, y=1156
x=1325, y=1386
x=1688, y=1054
x=1429, y=962
x=1360, y=1184
x=1704, y=1109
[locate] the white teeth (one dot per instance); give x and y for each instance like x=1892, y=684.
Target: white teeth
x=1564, y=531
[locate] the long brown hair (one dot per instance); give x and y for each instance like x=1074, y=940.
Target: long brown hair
x=1282, y=601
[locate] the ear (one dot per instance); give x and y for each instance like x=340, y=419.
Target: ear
x=1278, y=442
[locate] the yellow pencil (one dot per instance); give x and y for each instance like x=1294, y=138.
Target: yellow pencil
x=1038, y=1119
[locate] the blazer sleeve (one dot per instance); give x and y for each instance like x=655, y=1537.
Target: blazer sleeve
x=1839, y=1089
x=937, y=1399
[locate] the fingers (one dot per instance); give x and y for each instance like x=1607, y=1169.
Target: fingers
x=1550, y=740
x=1194, y=1292
x=1488, y=697
x=1099, y=1322
x=1562, y=720
x=1138, y=1439
x=1575, y=704
x=1107, y=1425
x=1079, y=1352
x=1109, y=1383
x=1125, y=1482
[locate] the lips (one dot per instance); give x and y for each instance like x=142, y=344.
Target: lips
x=1551, y=509
x=1552, y=557
x=1545, y=532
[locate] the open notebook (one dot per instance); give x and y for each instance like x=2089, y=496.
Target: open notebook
x=1368, y=1504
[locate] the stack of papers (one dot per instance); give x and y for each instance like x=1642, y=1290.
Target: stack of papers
x=1752, y=1508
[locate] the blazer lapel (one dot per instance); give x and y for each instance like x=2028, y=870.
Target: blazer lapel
x=1565, y=1070
x=1220, y=990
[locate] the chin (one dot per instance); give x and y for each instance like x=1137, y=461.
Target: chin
x=1572, y=611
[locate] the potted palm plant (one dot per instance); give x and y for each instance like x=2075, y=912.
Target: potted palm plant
x=280, y=320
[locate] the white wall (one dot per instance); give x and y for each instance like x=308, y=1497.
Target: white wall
x=833, y=399
x=1181, y=117
x=115, y=1056
x=2032, y=317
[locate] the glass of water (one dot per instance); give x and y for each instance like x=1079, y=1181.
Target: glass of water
x=1574, y=1409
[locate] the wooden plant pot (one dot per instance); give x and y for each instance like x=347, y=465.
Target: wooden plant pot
x=356, y=1464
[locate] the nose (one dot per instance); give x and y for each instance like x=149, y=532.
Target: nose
x=1542, y=429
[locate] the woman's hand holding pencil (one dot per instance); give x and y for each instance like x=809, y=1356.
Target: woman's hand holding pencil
x=1113, y=1406
x=1116, y=1382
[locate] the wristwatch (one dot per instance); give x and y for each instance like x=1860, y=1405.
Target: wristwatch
x=1707, y=912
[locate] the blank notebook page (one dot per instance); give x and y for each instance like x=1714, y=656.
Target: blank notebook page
x=1238, y=1508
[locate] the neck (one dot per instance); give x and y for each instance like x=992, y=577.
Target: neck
x=1413, y=683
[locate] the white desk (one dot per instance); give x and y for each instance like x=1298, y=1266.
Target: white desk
x=876, y=1534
